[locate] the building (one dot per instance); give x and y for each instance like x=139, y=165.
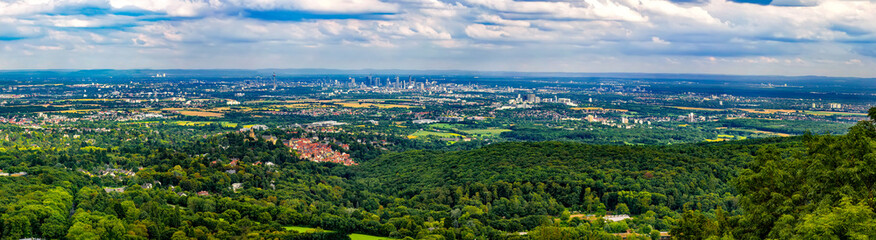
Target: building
x=112, y=190
x=424, y=121
x=591, y=118
x=531, y=98
x=319, y=152
x=616, y=218
x=327, y=124
x=450, y=119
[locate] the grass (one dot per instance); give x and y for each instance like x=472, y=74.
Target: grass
x=492, y=132
x=354, y=236
x=761, y=132
x=423, y=133
x=305, y=229
x=442, y=126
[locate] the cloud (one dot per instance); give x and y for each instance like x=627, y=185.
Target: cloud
x=544, y=35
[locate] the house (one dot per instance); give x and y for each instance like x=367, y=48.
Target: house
x=203, y=193
x=326, y=124
x=112, y=190
x=146, y=186
x=234, y=162
x=616, y=218
x=231, y=171
x=235, y=186
x=424, y=121
x=269, y=138
x=181, y=194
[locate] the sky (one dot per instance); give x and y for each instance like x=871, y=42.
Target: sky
x=740, y=37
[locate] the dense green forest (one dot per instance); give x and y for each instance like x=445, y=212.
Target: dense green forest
x=138, y=182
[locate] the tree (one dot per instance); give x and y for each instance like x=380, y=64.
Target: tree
x=54, y=227
x=81, y=230
x=621, y=208
x=694, y=226
x=16, y=227
x=179, y=235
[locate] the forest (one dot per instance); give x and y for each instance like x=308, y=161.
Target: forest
x=139, y=182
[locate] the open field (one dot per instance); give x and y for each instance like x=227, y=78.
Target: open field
x=423, y=133
x=305, y=229
x=200, y=114
x=767, y=111
x=353, y=236
x=761, y=132
x=356, y=236
x=492, y=132
x=203, y=123
x=302, y=105
x=696, y=108
x=79, y=111
x=828, y=113
x=368, y=105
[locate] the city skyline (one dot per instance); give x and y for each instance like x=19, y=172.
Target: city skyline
x=786, y=37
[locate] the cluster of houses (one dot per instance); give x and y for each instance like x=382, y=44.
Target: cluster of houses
x=319, y=152
x=6, y=174
x=112, y=172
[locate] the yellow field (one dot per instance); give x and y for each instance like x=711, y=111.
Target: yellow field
x=93, y=99
x=368, y=105
x=200, y=114
x=768, y=111
x=763, y=132
x=302, y=105
x=829, y=113
x=78, y=111
x=696, y=108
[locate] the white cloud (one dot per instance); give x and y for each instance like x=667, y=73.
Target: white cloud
x=327, y=6
x=657, y=40
x=641, y=34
